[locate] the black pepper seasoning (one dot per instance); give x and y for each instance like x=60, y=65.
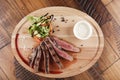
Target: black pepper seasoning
x=57, y=26
x=53, y=31
x=58, y=30
x=73, y=20
x=54, y=19
x=62, y=19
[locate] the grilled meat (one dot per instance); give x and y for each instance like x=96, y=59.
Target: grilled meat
x=37, y=60
x=33, y=57
x=46, y=57
x=65, y=45
x=53, y=53
x=60, y=52
x=54, y=47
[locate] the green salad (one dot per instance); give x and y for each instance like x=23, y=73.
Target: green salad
x=40, y=26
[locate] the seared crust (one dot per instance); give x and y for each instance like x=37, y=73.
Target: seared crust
x=46, y=57
x=53, y=53
x=33, y=57
x=37, y=60
x=51, y=47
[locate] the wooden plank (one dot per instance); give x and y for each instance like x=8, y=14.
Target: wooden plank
x=72, y=3
x=95, y=9
x=9, y=17
x=113, y=8
x=95, y=74
x=107, y=58
x=6, y=62
x=111, y=52
x=4, y=38
x=23, y=74
x=82, y=76
x=20, y=8
x=111, y=49
x=113, y=73
x=53, y=2
x=3, y=75
x=106, y=2
x=112, y=34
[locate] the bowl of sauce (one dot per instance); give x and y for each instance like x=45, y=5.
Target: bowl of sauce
x=82, y=30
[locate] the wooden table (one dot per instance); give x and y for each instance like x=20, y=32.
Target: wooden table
x=107, y=68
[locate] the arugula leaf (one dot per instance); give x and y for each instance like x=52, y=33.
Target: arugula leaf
x=40, y=26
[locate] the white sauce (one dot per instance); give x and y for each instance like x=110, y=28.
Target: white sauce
x=82, y=30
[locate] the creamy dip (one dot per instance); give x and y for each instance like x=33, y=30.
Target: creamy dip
x=82, y=30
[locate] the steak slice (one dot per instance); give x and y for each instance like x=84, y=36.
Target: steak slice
x=65, y=45
x=37, y=60
x=60, y=52
x=33, y=56
x=46, y=57
x=53, y=53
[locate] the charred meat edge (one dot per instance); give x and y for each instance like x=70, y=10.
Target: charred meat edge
x=54, y=42
x=37, y=60
x=53, y=54
x=46, y=57
x=33, y=56
x=65, y=45
x=60, y=52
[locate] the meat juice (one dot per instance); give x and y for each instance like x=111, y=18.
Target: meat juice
x=54, y=69
x=17, y=49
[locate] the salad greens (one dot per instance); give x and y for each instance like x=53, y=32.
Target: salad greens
x=40, y=26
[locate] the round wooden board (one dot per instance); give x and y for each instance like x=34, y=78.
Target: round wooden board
x=91, y=49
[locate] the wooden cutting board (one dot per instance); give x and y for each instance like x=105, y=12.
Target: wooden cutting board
x=63, y=22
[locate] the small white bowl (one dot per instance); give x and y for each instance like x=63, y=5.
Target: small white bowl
x=82, y=30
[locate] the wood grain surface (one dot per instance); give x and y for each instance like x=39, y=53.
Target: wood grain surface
x=12, y=11
x=84, y=58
